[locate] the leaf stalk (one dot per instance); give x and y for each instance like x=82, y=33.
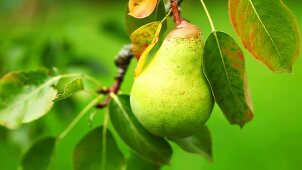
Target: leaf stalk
x=208, y=15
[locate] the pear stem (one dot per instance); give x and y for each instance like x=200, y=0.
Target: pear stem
x=175, y=11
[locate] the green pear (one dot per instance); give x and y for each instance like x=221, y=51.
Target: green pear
x=171, y=97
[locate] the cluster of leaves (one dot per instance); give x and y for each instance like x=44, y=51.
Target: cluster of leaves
x=268, y=30
x=98, y=148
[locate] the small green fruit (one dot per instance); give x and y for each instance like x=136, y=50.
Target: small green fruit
x=171, y=96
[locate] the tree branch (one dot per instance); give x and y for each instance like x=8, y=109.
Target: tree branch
x=122, y=61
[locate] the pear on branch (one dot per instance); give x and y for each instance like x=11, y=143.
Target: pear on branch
x=171, y=97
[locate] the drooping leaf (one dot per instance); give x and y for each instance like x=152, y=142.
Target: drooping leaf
x=145, y=36
x=142, y=142
x=200, y=143
x=135, y=162
x=25, y=97
x=70, y=89
x=157, y=15
x=39, y=156
x=269, y=30
x=224, y=67
x=141, y=8
x=143, y=46
x=89, y=152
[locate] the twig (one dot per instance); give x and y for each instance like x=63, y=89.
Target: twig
x=175, y=11
x=122, y=61
x=168, y=6
x=79, y=117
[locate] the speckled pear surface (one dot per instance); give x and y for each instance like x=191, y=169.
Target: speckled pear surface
x=171, y=96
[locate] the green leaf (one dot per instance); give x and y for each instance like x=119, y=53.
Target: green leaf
x=157, y=15
x=39, y=156
x=200, y=143
x=142, y=142
x=71, y=88
x=269, y=30
x=135, y=162
x=224, y=67
x=89, y=152
x=25, y=97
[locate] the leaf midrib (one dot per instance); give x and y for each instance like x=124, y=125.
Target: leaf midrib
x=44, y=85
x=226, y=71
x=224, y=65
x=265, y=29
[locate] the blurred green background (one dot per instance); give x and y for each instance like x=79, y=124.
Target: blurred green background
x=85, y=35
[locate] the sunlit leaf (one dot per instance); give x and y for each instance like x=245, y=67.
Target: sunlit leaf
x=150, y=147
x=150, y=31
x=141, y=8
x=88, y=153
x=71, y=88
x=200, y=143
x=269, y=30
x=137, y=163
x=144, y=55
x=39, y=156
x=25, y=97
x=224, y=67
x=158, y=14
x=145, y=36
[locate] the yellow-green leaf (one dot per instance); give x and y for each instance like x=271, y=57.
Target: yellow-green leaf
x=144, y=56
x=144, y=39
x=145, y=36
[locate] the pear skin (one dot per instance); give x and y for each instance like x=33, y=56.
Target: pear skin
x=171, y=97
